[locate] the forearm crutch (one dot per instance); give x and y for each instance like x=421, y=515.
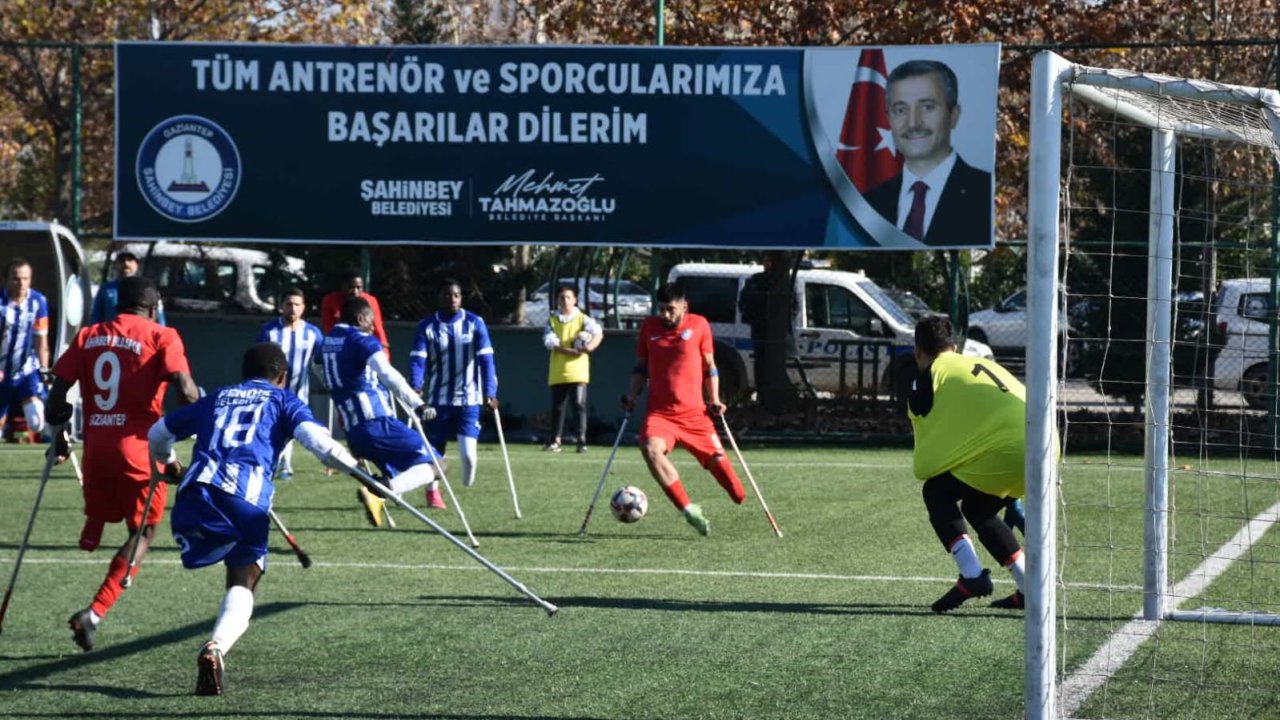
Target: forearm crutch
x=51, y=458
x=595, y=497
x=729, y=433
x=127, y=580
x=380, y=489
x=303, y=557
x=435, y=462
x=506, y=460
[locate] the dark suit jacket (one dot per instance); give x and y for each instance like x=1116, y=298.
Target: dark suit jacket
x=963, y=215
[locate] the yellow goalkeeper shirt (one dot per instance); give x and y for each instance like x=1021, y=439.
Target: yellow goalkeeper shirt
x=562, y=329
x=969, y=417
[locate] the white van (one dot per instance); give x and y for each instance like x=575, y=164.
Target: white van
x=194, y=277
x=1243, y=310
x=850, y=334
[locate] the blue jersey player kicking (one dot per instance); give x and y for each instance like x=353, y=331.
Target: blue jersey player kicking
x=224, y=501
x=361, y=381
x=300, y=340
x=452, y=362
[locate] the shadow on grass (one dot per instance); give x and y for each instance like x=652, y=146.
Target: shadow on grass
x=26, y=678
x=149, y=715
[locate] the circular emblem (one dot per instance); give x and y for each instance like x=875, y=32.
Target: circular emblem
x=686, y=333
x=188, y=168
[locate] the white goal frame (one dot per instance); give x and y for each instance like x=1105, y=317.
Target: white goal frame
x=1052, y=78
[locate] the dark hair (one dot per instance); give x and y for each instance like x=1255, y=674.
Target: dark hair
x=294, y=292
x=126, y=255
x=570, y=288
x=934, y=334
x=17, y=263
x=671, y=292
x=263, y=360
x=449, y=282
x=354, y=308
x=916, y=68
x=350, y=274
x=137, y=293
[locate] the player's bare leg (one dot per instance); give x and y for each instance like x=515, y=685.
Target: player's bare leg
x=654, y=450
x=84, y=624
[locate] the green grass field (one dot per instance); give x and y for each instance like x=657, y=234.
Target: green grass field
x=831, y=621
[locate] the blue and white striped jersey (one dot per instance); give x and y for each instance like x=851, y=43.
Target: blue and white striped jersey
x=299, y=347
x=456, y=358
x=240, y=430
x=19, y=324
x=353, y=385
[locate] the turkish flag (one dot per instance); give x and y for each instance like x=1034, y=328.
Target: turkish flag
x=866, y=150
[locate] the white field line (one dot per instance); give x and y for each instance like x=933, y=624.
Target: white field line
x=587, y=571
x=1086, y=679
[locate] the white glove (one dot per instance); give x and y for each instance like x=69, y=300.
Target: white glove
x=339, y=459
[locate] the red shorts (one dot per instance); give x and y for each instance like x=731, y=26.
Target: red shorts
x=115, y=485
x=694, y=431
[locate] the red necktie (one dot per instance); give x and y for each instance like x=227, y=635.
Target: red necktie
x=915, y=219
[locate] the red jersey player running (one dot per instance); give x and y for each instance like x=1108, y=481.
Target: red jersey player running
x=123, y=366
x=674, y=353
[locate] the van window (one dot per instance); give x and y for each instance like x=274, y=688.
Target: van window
x=1255, y=306
x=712, y=297
x=834, y=307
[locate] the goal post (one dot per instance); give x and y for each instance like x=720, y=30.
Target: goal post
x=1171, y=109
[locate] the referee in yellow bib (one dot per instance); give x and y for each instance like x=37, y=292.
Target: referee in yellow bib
x=968, y=416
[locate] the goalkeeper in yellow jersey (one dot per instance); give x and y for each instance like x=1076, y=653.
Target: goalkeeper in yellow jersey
x=968, y=416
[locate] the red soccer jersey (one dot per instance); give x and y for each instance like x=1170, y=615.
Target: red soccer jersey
x=674, y=358
x=122, y=366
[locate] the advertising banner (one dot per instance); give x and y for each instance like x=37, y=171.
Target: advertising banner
x=786, y=148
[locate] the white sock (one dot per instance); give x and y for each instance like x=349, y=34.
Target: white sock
x=33, y=412
x=414, y=477
x=233, y=617
x=94, y=617
x=1018, y=568
x=467, y=452
x=966, y=557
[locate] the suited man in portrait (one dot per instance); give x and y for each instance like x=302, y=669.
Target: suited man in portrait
x=938, y=198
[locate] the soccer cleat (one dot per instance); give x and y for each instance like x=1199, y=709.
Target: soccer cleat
x=83, y=628
x=1016, y=601
x=964, y=589
x=693, y=514
x=582, y=447
x=551, y=447
x=373, y=506
x=209, y=668
x=286, y=474
x=435, y=500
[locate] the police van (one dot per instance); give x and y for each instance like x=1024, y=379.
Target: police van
x=851, y=337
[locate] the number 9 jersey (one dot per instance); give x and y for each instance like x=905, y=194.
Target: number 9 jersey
x=122, y=366
x=969, y=417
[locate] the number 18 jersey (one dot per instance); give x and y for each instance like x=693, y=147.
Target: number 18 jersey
x=123, y=367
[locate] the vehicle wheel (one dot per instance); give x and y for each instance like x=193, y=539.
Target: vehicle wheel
x=1253, y=385
x=977, y=335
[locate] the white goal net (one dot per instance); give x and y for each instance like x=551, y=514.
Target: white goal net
x=1154, y=567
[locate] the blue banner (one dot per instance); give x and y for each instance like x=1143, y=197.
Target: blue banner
x=867, y=148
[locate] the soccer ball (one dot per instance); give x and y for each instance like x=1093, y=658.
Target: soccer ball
x=629, y=504
x=581, y=340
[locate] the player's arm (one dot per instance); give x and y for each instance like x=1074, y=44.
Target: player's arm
x=551, y=341
x=168, y=430
x=188, y=391
x=488, y=368
x=379, y=330
x=418, y=356
x=394, y=381
x=40, y=329
x=920, y=401
x=597, y=333
x=711, y=380
x=314, y=437
x=640, y=373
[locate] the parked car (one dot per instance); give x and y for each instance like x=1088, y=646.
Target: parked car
x=911, y=302
x=213, y=278
x=1004, y=327
x=633, y=301
x=1243, y=314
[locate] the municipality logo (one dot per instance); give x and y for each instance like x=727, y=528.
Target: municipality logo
x=188, y=168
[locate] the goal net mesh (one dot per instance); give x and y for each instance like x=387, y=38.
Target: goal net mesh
x=1221, y=465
